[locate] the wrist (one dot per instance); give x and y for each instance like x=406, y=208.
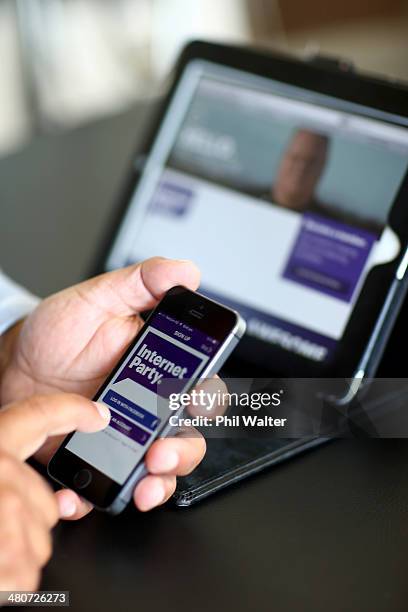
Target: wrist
x=8, y=341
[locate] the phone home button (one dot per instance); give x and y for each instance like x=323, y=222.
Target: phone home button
x=82, y=479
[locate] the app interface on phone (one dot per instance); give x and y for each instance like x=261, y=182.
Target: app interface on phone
x=280, y=195
x=168, y=355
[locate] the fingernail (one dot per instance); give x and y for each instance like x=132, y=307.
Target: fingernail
x=67, y=507
x=168, y=462
x=154, y=497
x=103, y=411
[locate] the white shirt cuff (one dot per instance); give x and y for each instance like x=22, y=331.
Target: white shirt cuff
x=15, y=303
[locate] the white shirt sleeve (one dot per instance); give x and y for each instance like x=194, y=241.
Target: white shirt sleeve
x=15, y=302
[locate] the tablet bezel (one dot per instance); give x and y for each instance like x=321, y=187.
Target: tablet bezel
x=389, y=97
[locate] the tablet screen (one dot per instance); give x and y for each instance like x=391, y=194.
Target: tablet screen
x=280, y=195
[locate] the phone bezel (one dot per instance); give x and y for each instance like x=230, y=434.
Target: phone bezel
x=254, y=357
x=217, y=321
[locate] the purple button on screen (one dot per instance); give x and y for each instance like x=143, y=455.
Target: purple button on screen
x=329, y=256
x=129, y=429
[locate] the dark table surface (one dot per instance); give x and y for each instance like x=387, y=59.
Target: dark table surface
x=326, y=531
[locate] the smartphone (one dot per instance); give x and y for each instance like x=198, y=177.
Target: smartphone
x=185, y=339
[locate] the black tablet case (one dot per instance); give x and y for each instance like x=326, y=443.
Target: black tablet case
x=228, y=461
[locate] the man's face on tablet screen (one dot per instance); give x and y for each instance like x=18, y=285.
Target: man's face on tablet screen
x=301, y=167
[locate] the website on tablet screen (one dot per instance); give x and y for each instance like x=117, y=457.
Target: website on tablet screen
x=282, y=203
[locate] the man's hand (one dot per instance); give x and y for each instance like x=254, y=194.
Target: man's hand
x=28, y=507
x=72, y=341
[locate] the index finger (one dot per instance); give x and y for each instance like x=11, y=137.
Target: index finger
x=25, y=426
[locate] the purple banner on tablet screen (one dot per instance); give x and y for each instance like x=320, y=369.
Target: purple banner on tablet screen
x=171, y=199
x=329, y=256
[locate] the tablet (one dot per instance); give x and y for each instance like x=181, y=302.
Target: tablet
x=287, y=184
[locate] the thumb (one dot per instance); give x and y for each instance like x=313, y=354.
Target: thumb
x=25, y=426
x=139, y=287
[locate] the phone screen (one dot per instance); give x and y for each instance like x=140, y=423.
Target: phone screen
x=167, y=351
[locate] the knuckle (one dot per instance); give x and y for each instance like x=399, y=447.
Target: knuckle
x=39, y=404
x=45, y=405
